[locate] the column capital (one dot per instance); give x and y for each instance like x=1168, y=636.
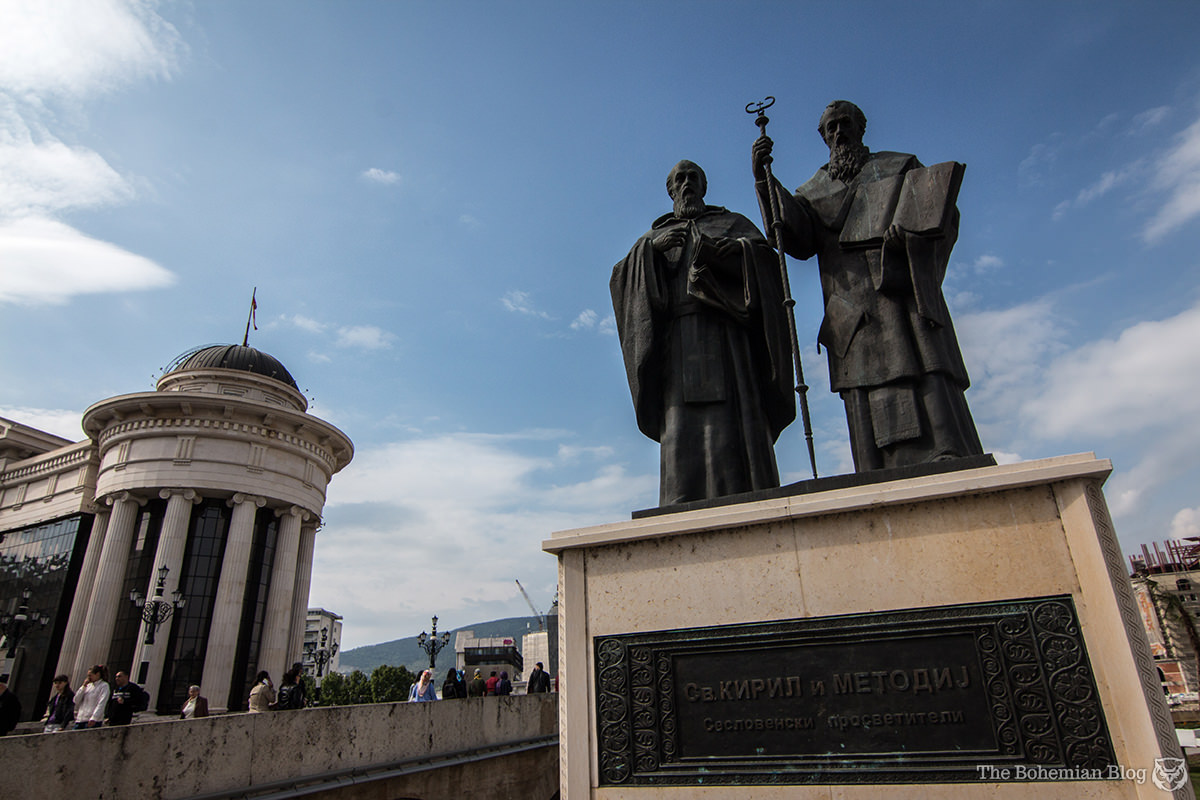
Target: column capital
x=187, y=494
x=117, y=497
x=241, y=497
x=296, y=511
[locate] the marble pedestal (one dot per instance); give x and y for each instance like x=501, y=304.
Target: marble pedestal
x=1012, y=573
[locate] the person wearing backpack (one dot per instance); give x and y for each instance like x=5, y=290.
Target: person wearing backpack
x=127, y=699
x=291, y=691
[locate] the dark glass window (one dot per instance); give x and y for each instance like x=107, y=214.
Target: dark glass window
x=254, y=608
x=184, y=662
x=45, y=559
x=146, y=531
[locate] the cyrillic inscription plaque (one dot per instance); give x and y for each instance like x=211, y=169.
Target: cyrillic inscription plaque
x=897, y=697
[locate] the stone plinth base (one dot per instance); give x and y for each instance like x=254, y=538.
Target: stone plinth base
x=970, y=634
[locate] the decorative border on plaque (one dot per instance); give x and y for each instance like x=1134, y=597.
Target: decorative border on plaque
x=1022, y=679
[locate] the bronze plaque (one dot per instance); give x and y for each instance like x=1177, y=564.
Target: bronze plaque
x=924, y=695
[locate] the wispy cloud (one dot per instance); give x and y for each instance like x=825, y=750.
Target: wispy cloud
x=522, y=303
x=49, y=66
x=47, y=262
x=1178, y=176
x=79, y=48
x=60, y=422
x=476, y=504
x=377, y=175
x=365, y=337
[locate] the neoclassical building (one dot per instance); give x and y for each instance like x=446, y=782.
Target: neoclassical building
x=210, y=490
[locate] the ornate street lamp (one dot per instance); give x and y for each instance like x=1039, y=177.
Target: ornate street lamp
x=15, y=626
x=323, y=655
x=157, y=610
x=431, y=644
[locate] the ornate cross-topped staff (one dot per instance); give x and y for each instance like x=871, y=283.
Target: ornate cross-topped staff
x=777, y=236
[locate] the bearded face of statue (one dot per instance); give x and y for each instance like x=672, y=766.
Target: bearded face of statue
x=687, y=184
x=843, y=130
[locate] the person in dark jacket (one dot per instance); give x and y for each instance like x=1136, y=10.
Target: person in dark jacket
x=291, y=691
x=539, y=681
x=504, y=685
x=477, y=687
x=10, y=708
x=126, y=699
x=454, y=686
x=60, y=711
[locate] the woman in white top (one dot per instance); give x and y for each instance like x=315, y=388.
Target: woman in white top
x=91, y=699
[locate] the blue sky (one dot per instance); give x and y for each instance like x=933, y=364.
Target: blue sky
x=430, y=198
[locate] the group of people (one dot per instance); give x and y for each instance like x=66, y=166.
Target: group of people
x=96, y=702
x=290, y=696
x=456, y=685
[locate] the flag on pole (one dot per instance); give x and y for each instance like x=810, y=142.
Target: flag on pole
x=252, y=319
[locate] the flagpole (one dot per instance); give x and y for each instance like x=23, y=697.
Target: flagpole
x=250, y=317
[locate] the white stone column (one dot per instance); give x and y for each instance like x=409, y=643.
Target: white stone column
x=225, y=631
x=277, y=625
x=83, y=596
x=171, y=544
x=96, y=638
x=304, y=561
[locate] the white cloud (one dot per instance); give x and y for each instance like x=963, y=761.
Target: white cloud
x=1006, y=352
x=46, y=262
x=469, y=220
x=79, y=48
x=60, y=422
x=43, y=176
x=1150, y=118
x=377, y=175
x=1185, y=524
x=447, y=522
x=304, y=323
x=367, y=337
x=1146, y=377
x=522, y=303
x=1177, y=175
x=586, y=319
x=67, y=53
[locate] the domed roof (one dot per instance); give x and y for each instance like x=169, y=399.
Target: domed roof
x=234, y=356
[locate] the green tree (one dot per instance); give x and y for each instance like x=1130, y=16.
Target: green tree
x=333, y=690
x=345, y=690
x=390, y=684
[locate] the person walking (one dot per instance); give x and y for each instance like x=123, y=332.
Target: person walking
x=422, y=691
x=477, y=688
x=262, y=696
x=504, y=685
x=92, y=698
x=491, y=684
x=60, y=711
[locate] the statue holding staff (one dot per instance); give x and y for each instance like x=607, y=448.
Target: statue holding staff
x=882, y=227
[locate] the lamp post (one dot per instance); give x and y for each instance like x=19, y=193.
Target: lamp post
x=322, y=655
x=431, y=644
x=15, y=626
x=156, y=611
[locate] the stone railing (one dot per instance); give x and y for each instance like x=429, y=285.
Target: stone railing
x=237, y=755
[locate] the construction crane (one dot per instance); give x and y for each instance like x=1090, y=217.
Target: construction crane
x=541, y=618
